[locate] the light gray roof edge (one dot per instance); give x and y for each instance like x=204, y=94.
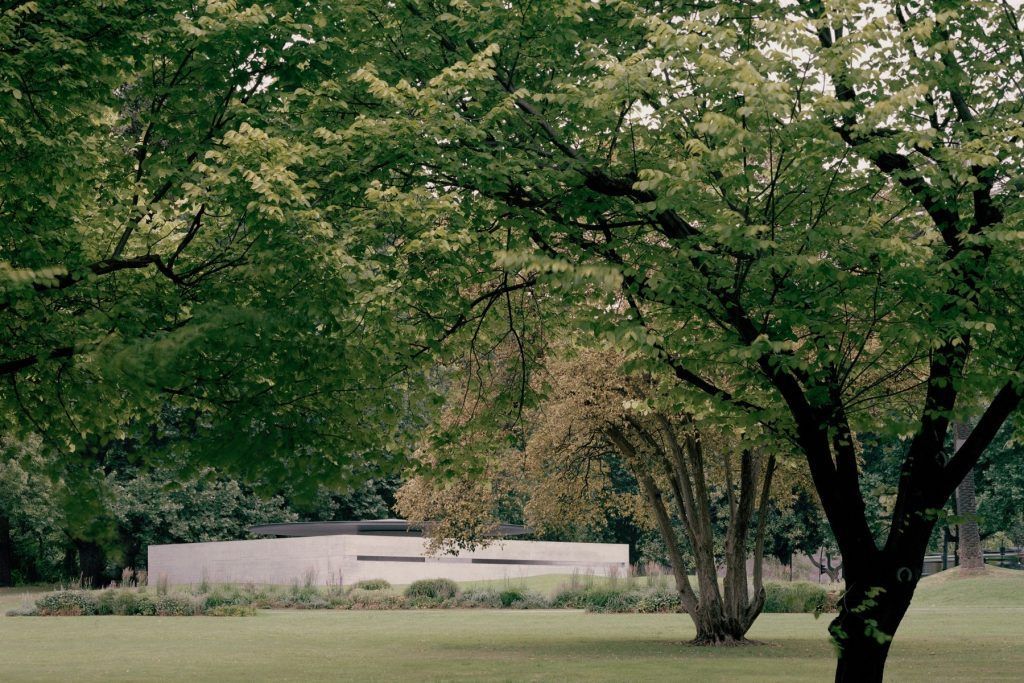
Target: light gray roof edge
x=354, y=527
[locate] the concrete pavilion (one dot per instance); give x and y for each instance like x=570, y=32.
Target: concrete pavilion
x=325, y=553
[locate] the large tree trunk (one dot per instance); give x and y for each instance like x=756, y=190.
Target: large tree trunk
x=92, y=563
x=869, y=615
x=972, y=556
x=6, y=551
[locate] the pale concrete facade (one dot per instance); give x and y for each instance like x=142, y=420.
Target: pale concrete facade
x=325, y=560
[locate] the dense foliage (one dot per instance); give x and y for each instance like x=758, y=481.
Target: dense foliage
x=159, y=247
x=805, y=214
x=54, y=536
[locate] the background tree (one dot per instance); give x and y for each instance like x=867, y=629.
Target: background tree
x=158, y=250
x=595, y=421
x=972, y=555
x=795, y=527
x=1001, y=492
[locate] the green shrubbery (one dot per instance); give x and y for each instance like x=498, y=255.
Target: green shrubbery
x=231, y=611
x=485, y=598
x=66, y=604
x=618, y=598
x=437, y=590
x=798, y=596
x=376, y=594
x=779, y=597
x=130, y=603
x=360, y=598
x=177, y=606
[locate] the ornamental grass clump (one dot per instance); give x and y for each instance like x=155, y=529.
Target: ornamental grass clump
x=359, y=598
x=431, y=592
x=485, y=598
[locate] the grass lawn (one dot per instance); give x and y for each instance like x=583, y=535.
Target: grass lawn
x=982, y=617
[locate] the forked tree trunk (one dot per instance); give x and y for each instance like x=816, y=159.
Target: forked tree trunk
x=834, y=572
x=721, y=617
x=864, y=628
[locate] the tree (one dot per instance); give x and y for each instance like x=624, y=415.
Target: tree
x=972, y=556
x=1001, y=491
x=33, y=546
x=595, y=419
x=158, y=248
x=98, y=519
x=795, y=525
x=809, y=211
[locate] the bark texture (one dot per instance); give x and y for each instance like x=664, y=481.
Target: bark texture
x=972, y=557
x=668, y=460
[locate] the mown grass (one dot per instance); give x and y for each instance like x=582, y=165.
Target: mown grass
x=969, y=641
x=996, y=588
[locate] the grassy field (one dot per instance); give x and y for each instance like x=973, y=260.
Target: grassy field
x=983, y=617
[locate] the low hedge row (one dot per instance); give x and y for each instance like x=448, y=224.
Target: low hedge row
x=242, y=600
x=128, y=603
x=799, y=596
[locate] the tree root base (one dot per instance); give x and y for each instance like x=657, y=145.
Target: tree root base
x=723, y=642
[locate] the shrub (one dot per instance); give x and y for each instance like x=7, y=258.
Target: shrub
x=522, y=599
x=228, y=596
x=66, y=604
x=511, y=595
x=372, y=585
x=312, y=602
x=436, y=590
x=591, y=597
x=613, y=601
x=486, y=598
x=105, y=602
x=798, y=596
x=176, y=606
x=131, y=604
x=26, y=611
x=231, y=611
x=372, y=600
x=621, y=597
x=659, y=601
x=301, y=599
x=572, y=595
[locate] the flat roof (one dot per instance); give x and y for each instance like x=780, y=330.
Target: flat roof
x=367, y=527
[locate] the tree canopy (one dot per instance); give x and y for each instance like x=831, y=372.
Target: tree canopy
x=160, y=249
x=804, y=212
x=807, y=214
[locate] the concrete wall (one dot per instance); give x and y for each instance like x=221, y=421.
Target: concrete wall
x=272, y=560
x=327, y=560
